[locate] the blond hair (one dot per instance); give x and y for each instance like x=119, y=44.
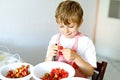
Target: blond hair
x=69, y=11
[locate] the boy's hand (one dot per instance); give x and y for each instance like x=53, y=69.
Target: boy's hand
x=69, y=54
x=53, y=50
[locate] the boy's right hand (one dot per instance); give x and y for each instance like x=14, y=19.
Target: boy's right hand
x=53, y=49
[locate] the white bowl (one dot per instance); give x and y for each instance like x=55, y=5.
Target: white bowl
x=75, y=78
x=13, y=66
x=46, y=67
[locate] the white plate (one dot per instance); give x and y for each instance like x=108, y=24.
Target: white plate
x=74, y=78
x=46, y=67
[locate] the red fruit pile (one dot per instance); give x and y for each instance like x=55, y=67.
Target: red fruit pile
x=18, y=72
x=55, y=74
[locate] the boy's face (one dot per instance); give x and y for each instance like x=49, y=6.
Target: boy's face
x=69, y=31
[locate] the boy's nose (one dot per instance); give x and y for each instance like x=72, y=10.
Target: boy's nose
x=66, y=30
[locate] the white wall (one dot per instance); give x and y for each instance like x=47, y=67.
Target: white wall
x=108, y=33
x=26, y=26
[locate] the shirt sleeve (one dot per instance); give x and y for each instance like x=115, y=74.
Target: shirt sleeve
x=90, y=53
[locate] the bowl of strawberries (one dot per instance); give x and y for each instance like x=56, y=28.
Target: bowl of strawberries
x=52, y=70
x=16, y=71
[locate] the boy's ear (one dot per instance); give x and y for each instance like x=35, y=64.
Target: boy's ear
x=81, y=21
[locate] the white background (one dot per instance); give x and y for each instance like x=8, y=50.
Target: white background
x=26, y=26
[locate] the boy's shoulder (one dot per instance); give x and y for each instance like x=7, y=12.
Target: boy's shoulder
x=85, y=37
x=56, y=35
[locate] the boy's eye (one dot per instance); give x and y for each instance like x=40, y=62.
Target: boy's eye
x=70, y=26
x=61, y=26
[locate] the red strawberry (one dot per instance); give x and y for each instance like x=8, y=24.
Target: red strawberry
x=60, y=47
x=60, y=53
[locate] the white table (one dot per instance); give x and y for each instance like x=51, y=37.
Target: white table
x=75, y=78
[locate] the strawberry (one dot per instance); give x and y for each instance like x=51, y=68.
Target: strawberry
x=60, y=47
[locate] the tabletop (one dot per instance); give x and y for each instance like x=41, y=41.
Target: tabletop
x=75, y=78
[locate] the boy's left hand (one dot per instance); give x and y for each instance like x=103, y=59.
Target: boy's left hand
x=69, y=54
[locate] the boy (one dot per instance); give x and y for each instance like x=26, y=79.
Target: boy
x=71, y=46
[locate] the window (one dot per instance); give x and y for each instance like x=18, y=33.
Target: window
x=114, y=9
